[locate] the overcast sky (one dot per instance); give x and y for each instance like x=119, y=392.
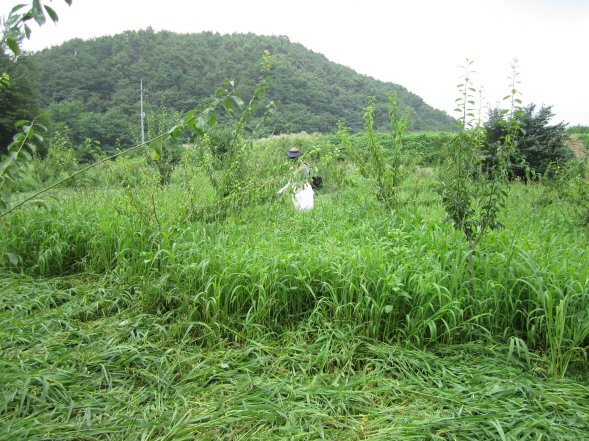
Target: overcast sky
x=419, y=44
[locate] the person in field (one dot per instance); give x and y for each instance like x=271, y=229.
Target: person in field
x=299, y=184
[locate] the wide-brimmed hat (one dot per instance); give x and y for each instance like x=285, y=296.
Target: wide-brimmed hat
x=293, y=153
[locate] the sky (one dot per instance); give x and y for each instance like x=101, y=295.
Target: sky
x=422, y=45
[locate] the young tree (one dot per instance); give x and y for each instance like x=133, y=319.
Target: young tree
x=472, y=202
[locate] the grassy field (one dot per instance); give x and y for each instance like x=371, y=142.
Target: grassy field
x=130, y=317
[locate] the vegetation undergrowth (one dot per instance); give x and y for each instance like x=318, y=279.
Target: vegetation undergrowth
x=346, y=322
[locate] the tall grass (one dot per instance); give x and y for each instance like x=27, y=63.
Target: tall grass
x=400, y=276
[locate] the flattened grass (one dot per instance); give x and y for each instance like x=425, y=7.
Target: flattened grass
x=122, y=374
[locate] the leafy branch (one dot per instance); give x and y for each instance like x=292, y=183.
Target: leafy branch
x=227, y=173
x=17, y=23
x=13, y=165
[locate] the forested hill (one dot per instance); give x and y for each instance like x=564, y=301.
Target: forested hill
x=93, y=85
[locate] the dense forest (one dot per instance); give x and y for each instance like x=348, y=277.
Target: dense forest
x=93, y=86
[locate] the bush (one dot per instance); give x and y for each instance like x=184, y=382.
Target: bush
x=539, y=144
x=578, y=130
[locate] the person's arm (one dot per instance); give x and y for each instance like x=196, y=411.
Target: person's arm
x=283, y=188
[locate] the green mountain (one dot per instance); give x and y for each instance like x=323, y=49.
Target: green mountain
x=92, y=86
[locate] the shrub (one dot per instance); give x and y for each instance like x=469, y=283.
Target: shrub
x=60, y=162
x=539, y=145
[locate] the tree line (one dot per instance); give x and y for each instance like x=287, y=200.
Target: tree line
x=92, y=86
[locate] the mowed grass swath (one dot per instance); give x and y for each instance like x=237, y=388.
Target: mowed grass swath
x=135, y=313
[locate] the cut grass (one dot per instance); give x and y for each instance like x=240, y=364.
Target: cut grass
x=121, y=375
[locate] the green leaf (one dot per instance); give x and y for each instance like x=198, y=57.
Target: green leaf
x=238, y=101
x=17, y=8
x=38, y=14
x=220, y=91
x=156, y=150
x=13, y=45
x=12, y=258
x=175, y=131
x=51, y=14
x=188, y=115
x=206, y=115
x=200, y=122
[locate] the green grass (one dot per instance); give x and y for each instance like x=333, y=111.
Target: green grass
x=132, y=317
